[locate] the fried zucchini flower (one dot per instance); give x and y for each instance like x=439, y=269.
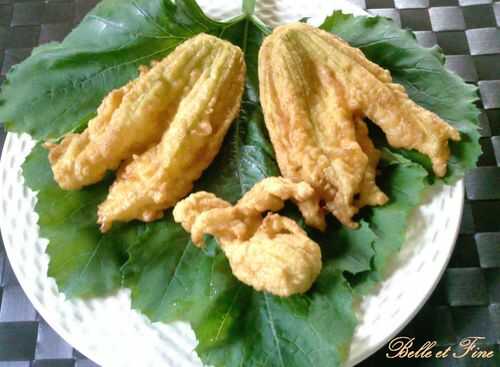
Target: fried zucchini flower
x=133, y=118
x=271, y=254
x=315, y=89
x=152, y=181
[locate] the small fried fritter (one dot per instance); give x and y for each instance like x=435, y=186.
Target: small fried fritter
x=272, y=254
x=152, y=181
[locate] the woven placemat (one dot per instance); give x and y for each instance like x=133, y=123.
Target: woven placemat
x=467, y=300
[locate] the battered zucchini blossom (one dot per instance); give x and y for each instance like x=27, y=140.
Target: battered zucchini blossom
x=163, y=174
x=315, y=90
x=271, y=254
x=164, y=128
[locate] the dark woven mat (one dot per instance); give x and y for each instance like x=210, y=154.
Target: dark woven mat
x=467, y=300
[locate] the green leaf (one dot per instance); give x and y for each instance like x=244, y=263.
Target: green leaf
x=404, y=185
x=83, y=261
x=169, y=276
x=349, y=250
x=101, y=54
x=420, y=70
x=257, y=329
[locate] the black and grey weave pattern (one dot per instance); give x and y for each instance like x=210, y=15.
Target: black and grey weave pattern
x=467, y=300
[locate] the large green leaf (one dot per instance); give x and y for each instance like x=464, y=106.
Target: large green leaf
x=420, y=70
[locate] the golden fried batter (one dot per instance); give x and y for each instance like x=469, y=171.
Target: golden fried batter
x=272, y=254
x=313, y=88
x=270, y=194
x=279, y=258
x=156, y=179
x=134, y=117
x=369, y=193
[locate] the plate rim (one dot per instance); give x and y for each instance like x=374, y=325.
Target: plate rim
x=74, y=341
x=378, y=346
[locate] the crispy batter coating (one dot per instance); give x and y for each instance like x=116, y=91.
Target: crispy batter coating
x=313, y=88
x=369, y=193
x=272, y=254
x=156, y=179
x=279, y=258
x=134, y=117
x=271, y=193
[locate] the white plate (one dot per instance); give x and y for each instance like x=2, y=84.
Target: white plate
x=98, y=328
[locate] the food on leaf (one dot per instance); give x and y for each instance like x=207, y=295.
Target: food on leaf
x=272, y=254
x=134, y=117
x=172, y=280
x=159, y=177
x=315, y=89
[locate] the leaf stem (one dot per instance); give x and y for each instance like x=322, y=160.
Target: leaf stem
x=248, y=7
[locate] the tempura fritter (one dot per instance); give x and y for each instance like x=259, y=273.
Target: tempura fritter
x=152, y=181
x=272, y=254
x=314, y=90
x=134, y=117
